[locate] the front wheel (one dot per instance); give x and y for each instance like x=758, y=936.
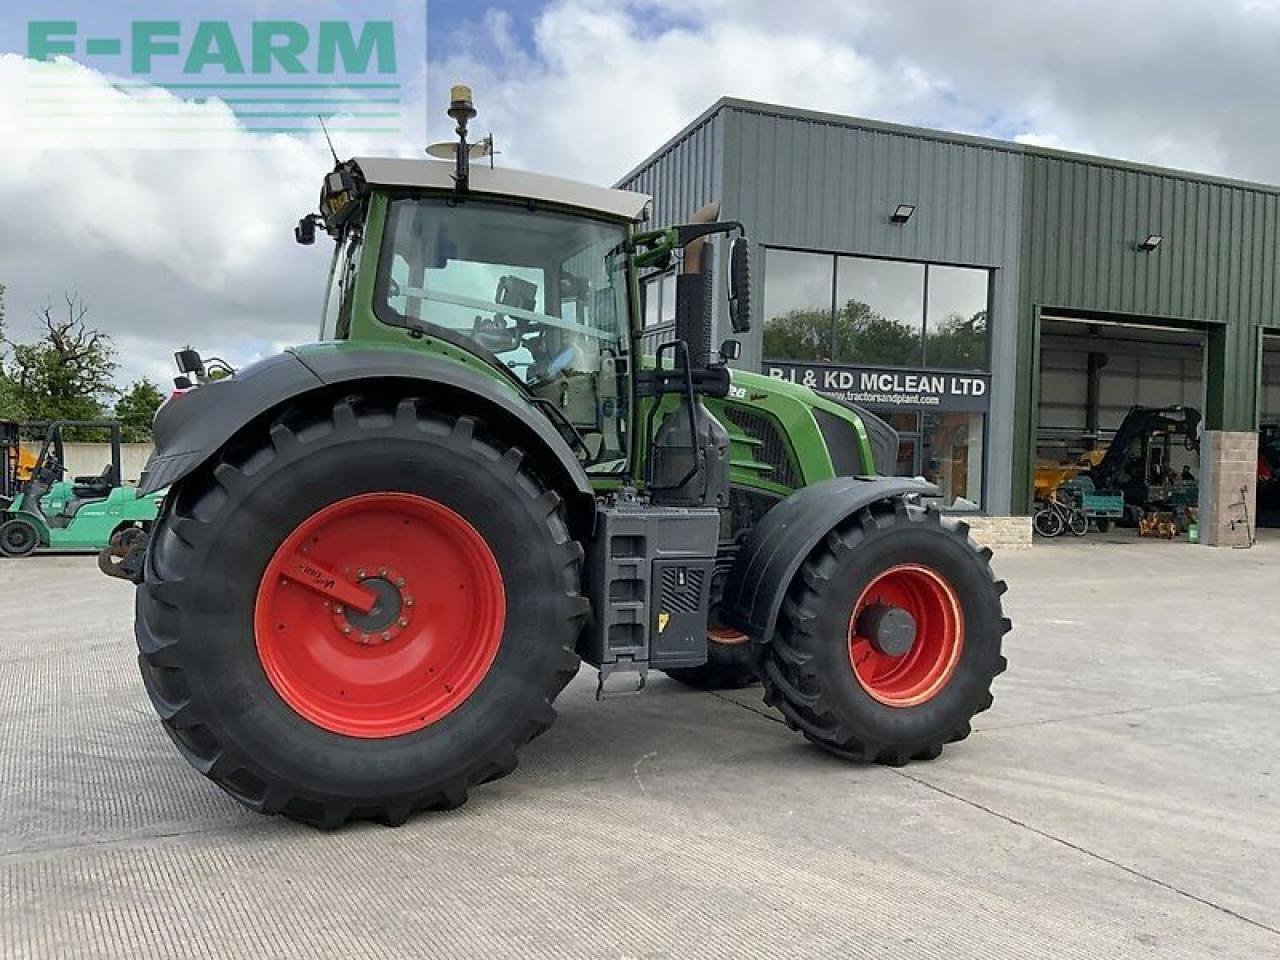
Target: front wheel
x=18, y=538
x=1047, y=522
x=889, y=637
x=362, y=612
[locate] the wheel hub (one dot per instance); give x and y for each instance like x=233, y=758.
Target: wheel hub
x=890, y=630
x=906, y=635
x=334, y=619
x=390, y=614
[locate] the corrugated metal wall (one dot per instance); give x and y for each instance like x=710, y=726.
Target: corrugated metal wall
x=1217, y=261
x=685, y=174
x=829, y=183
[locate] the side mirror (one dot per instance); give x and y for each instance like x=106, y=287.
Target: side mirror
x=740, y=284
x=305, y=231
x=730, y=350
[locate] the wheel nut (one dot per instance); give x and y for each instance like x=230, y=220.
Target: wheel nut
x=346, y=629
x=386, y=634
x=408, y=601
x=360, y=573
x=403, y=622
x=399, y=581
x=382, y=572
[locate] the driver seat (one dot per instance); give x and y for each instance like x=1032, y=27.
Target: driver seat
x=94, y=487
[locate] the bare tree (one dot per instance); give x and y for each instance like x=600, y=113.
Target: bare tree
x=67, y=372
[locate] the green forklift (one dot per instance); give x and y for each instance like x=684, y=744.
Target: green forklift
x=42, y=509
x=383, y=555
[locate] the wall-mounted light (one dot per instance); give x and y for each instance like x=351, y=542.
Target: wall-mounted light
x=1149, y=244
x=903, y=213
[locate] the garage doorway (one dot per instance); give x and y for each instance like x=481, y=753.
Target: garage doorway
x=1139, y=384
x=1269, y=433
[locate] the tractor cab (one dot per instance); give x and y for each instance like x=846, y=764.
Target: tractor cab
x=531, y=277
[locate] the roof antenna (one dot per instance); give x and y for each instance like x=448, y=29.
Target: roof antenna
x=336, y=161
x=461, y=109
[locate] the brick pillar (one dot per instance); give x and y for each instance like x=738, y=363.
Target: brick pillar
x=1228, y=465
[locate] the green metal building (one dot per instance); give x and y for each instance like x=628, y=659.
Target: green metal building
x=966, y=281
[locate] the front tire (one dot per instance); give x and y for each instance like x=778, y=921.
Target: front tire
x=295, y=704
x=1047, y=522
x=833, y=669
x=18, y=538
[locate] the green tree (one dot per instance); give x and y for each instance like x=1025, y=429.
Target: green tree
x=802, y=335
x=858, y=335
x=66, y=374
x=864, y=336
x=136, y=409
x=959, y=342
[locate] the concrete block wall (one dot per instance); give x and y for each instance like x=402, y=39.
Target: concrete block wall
x=1000, y=533
x=88, y=459
x=1228, y=487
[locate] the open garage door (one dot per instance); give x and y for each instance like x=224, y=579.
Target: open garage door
x=1118, y=423
x=1269, y=433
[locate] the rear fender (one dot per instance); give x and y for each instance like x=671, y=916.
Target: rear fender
x=193, y=426
x=787, y=534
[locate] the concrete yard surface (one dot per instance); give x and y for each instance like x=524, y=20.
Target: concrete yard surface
x=1120, y=800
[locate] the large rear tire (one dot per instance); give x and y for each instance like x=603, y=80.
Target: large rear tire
x=889, y=637
x=296, y=704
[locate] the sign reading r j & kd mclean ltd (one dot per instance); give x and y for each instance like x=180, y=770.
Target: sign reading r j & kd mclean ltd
x=891, y=387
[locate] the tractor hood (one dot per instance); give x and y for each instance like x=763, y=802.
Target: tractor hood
x=870, y=432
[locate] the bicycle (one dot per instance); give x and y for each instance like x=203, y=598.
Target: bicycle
x=1055, y=516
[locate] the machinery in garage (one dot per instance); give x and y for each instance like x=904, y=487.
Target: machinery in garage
x=1140, y=461
x=415, y=530
x=40, y=508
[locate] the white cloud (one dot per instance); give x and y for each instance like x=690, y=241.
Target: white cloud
x=171, y=246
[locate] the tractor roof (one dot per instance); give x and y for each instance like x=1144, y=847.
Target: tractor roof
x=435, y=174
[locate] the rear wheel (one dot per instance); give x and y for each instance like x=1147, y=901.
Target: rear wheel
x=1047, y=522
x=889, y=637
x=18, y=538
x=1078, y=523
x=360, y=613
x=730, y=662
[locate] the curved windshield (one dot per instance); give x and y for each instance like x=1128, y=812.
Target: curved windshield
x=543, y=294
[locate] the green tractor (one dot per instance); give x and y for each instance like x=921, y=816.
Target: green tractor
x=383, y=555
x=41, y=509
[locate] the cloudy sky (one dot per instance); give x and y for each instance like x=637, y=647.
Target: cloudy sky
x=172, y=246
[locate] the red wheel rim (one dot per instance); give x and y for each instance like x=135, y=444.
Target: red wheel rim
x=919, y=674
x=726, y=636
x=412, y=659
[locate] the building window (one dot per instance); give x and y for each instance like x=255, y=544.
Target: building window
x=863, y=311
x=951, y=455
x=957, y=318
x=797, y=305
x=879, y=317
x=659, y=291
